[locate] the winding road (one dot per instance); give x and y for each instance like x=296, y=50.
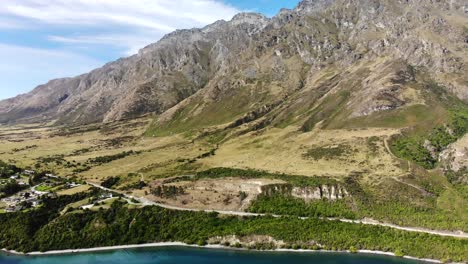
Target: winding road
x=146, y=202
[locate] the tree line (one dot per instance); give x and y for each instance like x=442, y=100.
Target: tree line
x=43, y=230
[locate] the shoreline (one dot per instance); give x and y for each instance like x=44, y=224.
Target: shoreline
x=180, y=244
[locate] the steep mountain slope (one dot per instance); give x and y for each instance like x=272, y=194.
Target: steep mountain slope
x=154, y=80
x=353, y=109
x=342, y=59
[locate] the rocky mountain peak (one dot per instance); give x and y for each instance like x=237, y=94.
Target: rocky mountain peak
x=249, y=18
x=308, y=6
x=278, y=55
x=255, y=20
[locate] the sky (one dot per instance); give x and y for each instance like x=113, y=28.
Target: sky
x=42, y=40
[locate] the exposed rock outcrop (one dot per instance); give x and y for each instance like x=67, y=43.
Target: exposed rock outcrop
x=329, y=192
x=455, y=157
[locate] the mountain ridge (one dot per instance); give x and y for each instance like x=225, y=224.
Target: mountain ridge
x=316, y=34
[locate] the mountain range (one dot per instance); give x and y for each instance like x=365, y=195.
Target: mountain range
x=325, y=62
x=337, y=109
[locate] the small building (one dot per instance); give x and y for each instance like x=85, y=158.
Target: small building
x=106, y=195
x=70, y=185
x=22, y=182
x=50, y=175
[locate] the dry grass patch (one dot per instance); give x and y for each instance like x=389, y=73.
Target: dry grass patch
x=283, y=150
x=79, y=189
x=274, y=150
x=228, y=194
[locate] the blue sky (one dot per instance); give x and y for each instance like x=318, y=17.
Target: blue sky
x=46, y=39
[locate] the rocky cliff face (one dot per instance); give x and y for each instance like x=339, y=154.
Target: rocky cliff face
x=328, y=192
x=365, y=52
x=454, y=160
x=323, y=192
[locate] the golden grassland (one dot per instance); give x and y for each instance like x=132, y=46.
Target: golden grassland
x=275, y=150
x=284, y=151
x=79, y=189
x=336, y=153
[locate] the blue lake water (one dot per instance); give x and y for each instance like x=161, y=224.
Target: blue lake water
x=173, y=255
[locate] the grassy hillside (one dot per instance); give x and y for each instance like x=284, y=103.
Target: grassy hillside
x=321, y=129
x=411, y=145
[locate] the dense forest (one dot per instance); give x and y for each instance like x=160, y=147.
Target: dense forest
x=288, y=205
x=7, y=170
x=11, y=187
x=45, y=229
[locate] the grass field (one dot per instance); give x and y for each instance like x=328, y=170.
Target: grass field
x=44, y=188
x=284, y=151
x=157, y=157
x=75, y=190
x=75, y=205
x=104, y=204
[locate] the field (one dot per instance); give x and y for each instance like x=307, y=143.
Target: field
x=66, y=151
x=382, y=186
x=81, y=188
x=285, y=151
x=71, y=154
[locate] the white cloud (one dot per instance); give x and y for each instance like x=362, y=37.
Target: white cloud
x=110, y=27
x=131, y=43
x=23, y=68
x=146, y=20
x=157, y=14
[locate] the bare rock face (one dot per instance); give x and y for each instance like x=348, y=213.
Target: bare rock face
x=455, y=157
x=323, y=192
x=328, y=192
x=375, y=44
x=432, y=150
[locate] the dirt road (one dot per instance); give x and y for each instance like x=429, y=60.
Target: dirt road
x=147, y=202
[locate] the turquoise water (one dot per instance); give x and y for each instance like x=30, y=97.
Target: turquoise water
x=173, y=255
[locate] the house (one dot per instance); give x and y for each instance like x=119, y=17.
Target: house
x=52, y=176
x=70, y=185
x=106, y=195
x=22, y=182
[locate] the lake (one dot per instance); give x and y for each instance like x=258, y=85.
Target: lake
x=172, y=255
